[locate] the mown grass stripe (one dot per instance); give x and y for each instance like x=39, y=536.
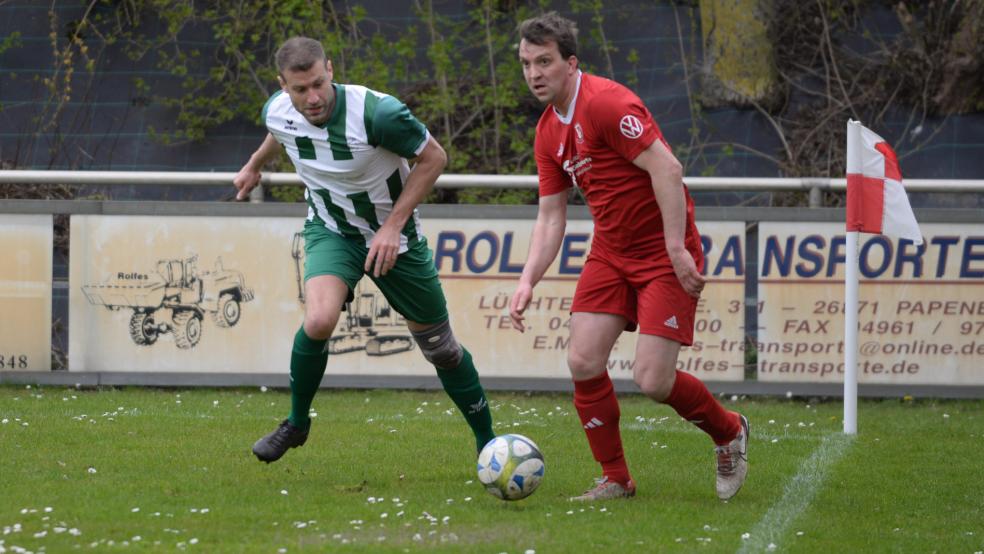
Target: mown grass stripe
x=798, y=494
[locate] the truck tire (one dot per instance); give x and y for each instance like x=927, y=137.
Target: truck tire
x=384, y=345
x=227, y=313
x=187, y=329
x=143, y=329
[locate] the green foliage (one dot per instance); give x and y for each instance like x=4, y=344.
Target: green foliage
x=458, y=75
x=211, y=63
x=632, y=78
x=285, y=193
x=480, y=195
x=10, y=41
x=594, y=37
x=13, y=40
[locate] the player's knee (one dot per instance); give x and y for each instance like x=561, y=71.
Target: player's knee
x=439, y=345
x=654, y=382
x=319, y=325
x=582, y=365
x=653, y=388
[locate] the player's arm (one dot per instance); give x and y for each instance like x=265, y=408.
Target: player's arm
x=548, y=233
x=249, y=176
x=666, y=174
x=386, y=243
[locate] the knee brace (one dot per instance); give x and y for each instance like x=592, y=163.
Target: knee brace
x=439, y=345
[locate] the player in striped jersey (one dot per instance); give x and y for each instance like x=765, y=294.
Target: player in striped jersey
x=350, y=146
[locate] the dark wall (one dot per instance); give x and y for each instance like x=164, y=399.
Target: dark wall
x=104, y=126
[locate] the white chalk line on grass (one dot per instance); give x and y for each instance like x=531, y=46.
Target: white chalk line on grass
x=798, y=494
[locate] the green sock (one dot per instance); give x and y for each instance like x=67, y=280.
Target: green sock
x=308, y=359
x=462, y=385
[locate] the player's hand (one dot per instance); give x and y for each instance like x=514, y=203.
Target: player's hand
x=245, y=181
x=520, y=301
x=383, y=252
x=686, y=272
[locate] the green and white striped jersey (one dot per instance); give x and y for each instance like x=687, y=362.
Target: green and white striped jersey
x=355, y=164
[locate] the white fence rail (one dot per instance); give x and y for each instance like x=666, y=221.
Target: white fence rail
x=815, y=185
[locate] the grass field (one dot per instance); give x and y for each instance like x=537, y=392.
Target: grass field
x=148, y=470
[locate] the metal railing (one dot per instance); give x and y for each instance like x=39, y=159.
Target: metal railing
x=814, y=185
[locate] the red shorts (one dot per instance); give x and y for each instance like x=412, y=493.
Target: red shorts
x=645, y=292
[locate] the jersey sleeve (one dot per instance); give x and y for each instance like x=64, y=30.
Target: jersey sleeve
x=396, y=129
x=624, y=123
x=266, y=106
x=552, y=177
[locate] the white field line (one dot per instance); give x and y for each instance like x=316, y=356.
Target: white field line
x=798, y=494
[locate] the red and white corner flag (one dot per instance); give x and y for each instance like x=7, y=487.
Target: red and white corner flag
x=876, y=203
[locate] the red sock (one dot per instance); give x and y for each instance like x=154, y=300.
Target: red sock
x=598, y=409
x=691, y=399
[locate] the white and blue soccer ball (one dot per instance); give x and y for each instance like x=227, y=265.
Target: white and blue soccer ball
x=510, y=467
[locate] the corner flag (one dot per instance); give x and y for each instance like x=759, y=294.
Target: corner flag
x=876, y=203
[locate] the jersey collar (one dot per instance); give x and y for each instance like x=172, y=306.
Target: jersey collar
x=336, y=106
x=566, y=119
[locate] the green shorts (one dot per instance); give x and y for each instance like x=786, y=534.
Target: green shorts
x=411, y=287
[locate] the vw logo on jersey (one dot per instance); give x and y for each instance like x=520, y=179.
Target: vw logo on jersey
x=630, y=126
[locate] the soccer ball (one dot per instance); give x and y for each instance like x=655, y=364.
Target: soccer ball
x=510, y=467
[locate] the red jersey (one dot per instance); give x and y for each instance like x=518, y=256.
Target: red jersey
x=593, y=149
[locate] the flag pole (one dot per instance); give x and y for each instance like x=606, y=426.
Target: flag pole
x=851, y=336
x=876, y=203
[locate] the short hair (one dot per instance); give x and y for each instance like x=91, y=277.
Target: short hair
x=299, y=54
x=548, y=27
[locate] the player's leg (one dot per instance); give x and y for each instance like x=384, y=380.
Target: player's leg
x=603, y=307
x=592, y=337
x=324, y=296
x=458, y=376
x=656, y=374
x=666, y=319
x=332, y=268
x=413, y=289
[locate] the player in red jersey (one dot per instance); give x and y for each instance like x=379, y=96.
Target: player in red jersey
x=644, y=268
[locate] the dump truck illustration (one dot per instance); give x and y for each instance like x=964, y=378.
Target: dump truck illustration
x=174, y=300
x=368, y=322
